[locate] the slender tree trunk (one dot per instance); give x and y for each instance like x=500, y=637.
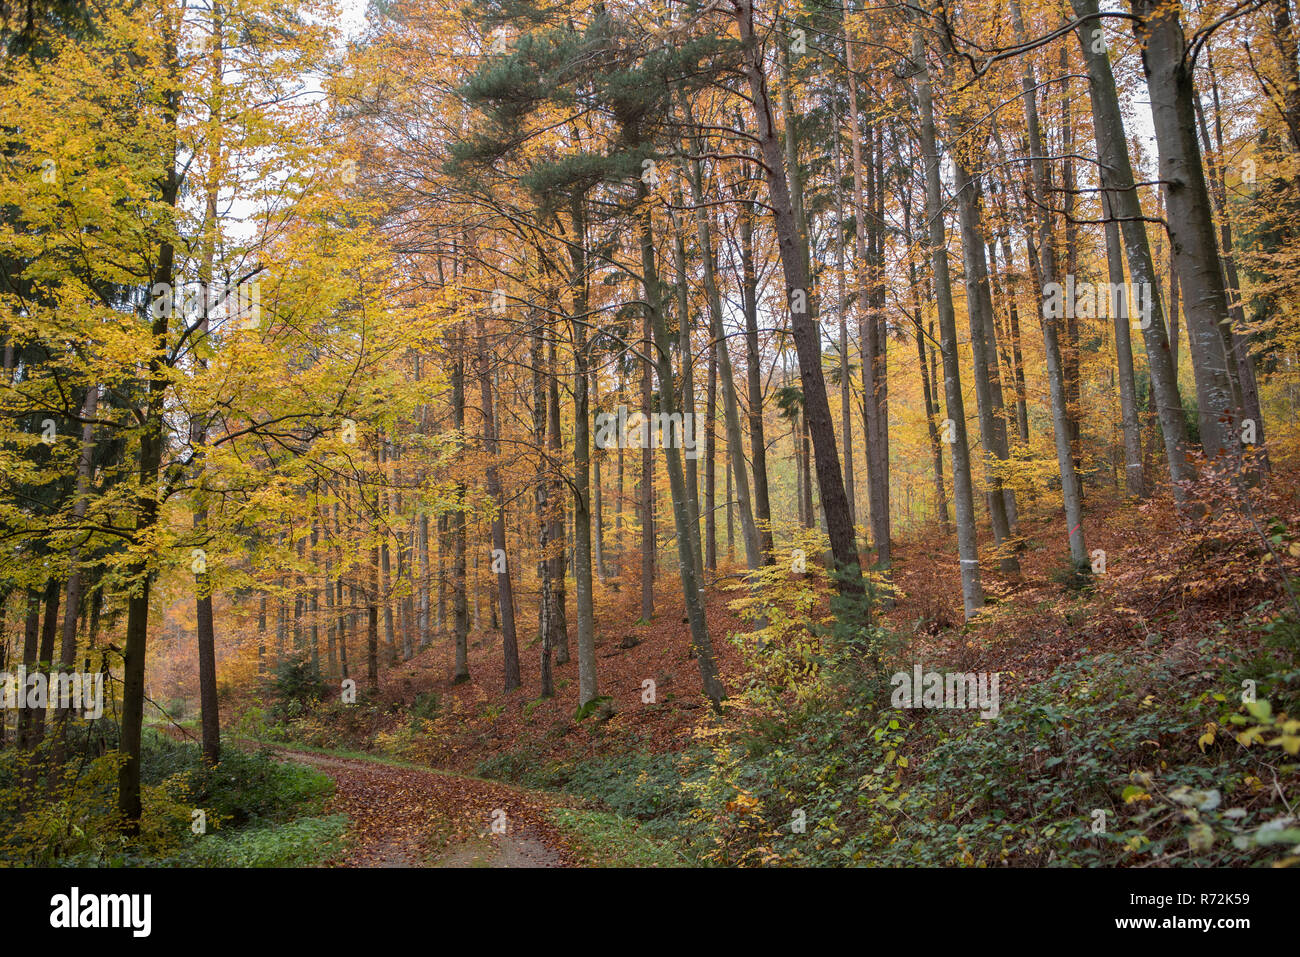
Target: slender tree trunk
x=372, y=599
x=1070, y=490
x=1124, y=359
x=1116, y=174
x=988, y=391
x=955, y=425
x=146, y=511
x=686, y=365
x=597, y=496
x=459, y=558
x=870, y=338
x=710, y=462
x=1235, y=339
x=730, y=405
x=72, y=598
x=31, y=656
x=647, y=484
x=839, y=523
x=762, y=504
x=555, y=536
x=1070, y=351
x=383, y=515
x=335, y=620
x=687, y=554
x=841, y=301
x=210, y=719
x=49, y=630
x=505, y=591
x=582, y=467
x=1159, y=30
x=929, y=387
x=4, y=656
x=1013, y=327
x=541, y=489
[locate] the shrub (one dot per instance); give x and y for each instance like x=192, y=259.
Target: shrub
x=296, y=687
x=300, y=843
x=1114, y=759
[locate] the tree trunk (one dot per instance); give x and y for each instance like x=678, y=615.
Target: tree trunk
x=541, y=489
x=710, y=461
x=754, y=543
x=841, y=302
x=646, y=486
x=955, y=426
x=1116, y=174
x=146, y=518
x=1159, y=31
x=762, y=503
x=871, y=340
x=1070, y=491
x=686, y=551
x=72, y=598
x=1124, y=359
x=555, y=537
x=1235, y=339
x=459, y=562
x=582, y=466
x=839, y=524
x=988, y=391
x=505, y=590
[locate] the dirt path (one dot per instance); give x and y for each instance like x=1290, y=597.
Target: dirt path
x=406, y=817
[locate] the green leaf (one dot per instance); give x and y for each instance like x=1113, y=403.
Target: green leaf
x=1260, y=710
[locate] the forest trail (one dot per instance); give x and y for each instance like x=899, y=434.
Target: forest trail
x=409, y=817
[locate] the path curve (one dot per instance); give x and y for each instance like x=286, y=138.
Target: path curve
x=410, y=817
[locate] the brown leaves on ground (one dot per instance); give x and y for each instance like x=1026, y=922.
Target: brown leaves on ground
x=407, y=817
x=1170, y=576
x=478, y=719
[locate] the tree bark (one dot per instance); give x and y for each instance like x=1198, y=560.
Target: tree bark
x=1116, y=175
x=686, y=551
x=963, y=496
x=839, y=524
x=1159, y=31
x=500, y=565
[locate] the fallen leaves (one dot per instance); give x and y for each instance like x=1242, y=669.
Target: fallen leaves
x=408, y=817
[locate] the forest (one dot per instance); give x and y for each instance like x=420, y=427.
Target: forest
x=671, y=434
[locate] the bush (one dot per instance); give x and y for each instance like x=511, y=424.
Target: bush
x=245, y=787
x=614, y=841
x=75, y=823
x=1117, y=759
x=641, y=786
x=296, y=687
x=425, y=706
x=300, y=843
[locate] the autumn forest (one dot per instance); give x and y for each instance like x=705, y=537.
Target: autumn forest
x=743, y=433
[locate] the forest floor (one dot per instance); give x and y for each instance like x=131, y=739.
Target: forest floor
x=410, y=817
x=1159, y=577
x=1177, y=594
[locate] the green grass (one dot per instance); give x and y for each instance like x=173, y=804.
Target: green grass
x=613, y=841
x=301, y=843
